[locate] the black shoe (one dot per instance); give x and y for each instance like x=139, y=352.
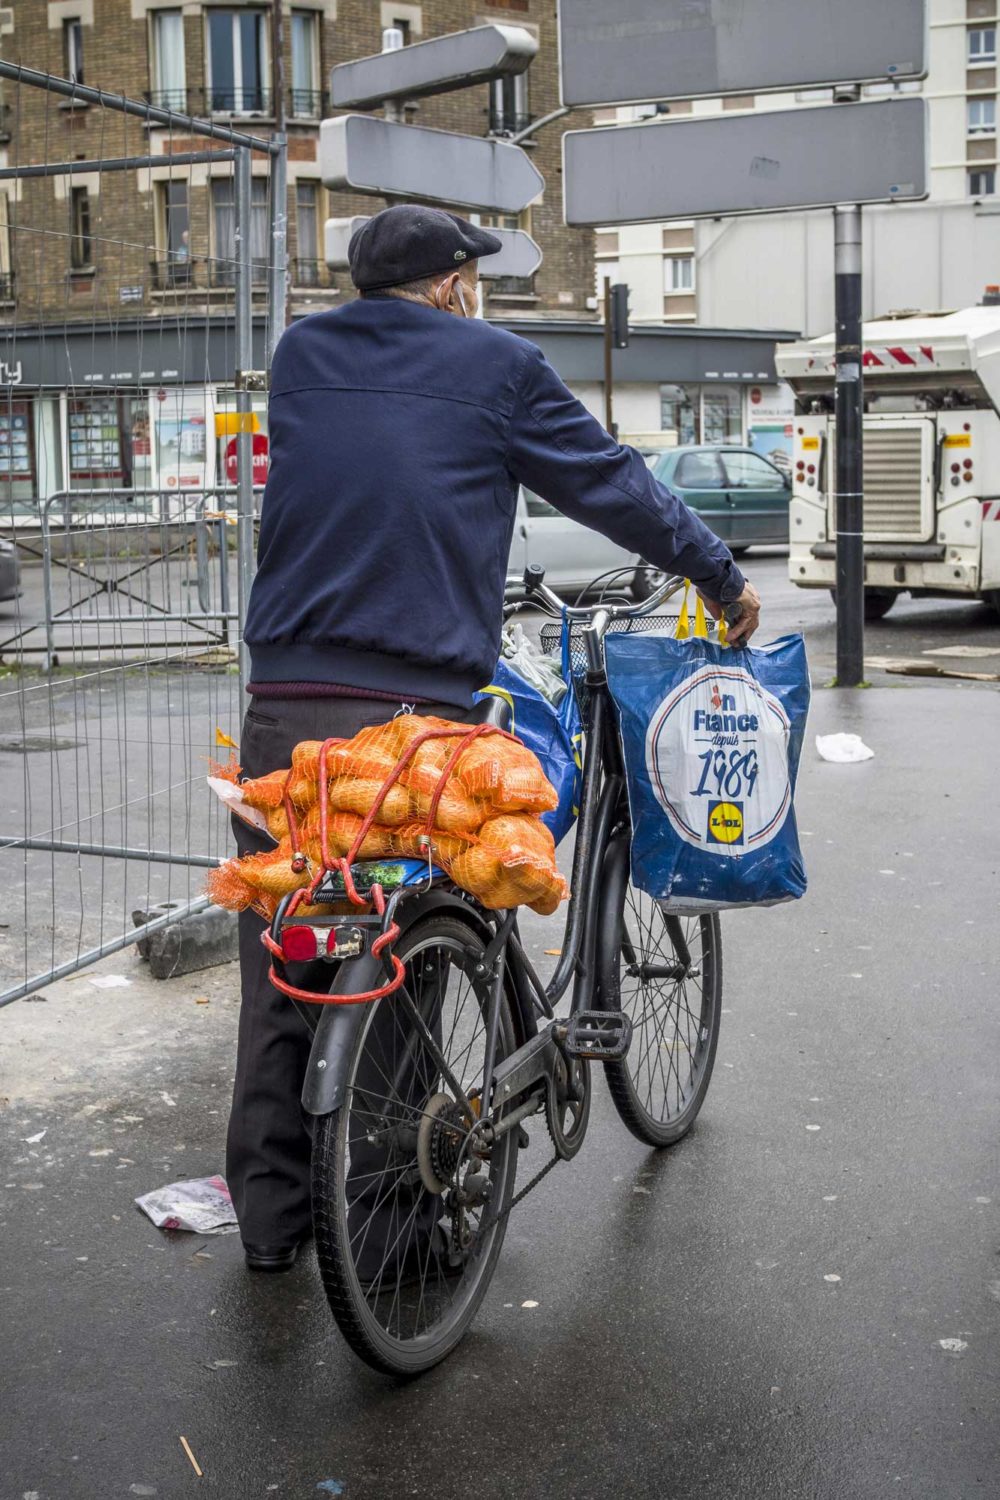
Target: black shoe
x=271, y=1257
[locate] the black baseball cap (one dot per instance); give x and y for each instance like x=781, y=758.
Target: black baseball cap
x=409, y=241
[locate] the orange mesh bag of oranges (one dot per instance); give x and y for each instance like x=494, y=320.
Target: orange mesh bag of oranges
x=475, y=795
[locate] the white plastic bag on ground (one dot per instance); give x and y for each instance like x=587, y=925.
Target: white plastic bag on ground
x=202, y=1205
x=843, y=749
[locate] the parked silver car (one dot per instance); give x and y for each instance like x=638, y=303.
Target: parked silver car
x=572, y=555
x=10, y=573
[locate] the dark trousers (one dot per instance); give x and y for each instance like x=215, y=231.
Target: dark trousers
x=268, y=1148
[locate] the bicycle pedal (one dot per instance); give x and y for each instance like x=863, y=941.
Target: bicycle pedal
x=603, y=1035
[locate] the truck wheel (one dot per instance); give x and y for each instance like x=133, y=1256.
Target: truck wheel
x=878, y=602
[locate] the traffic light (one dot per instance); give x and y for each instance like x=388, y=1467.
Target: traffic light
x=618, y=304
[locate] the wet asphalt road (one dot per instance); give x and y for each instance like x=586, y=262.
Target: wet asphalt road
x=690, y=1338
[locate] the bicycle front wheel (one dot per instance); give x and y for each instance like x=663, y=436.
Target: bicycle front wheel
x=665, y=973
x=409, y=1219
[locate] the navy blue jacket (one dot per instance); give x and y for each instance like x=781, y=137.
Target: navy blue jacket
x=398, y=437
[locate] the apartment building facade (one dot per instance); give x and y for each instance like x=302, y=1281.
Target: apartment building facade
x=221, y=61
x=117, y=288
x=777, y=270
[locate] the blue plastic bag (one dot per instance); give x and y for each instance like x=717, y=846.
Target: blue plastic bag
x=554, y=734
x=711, y=739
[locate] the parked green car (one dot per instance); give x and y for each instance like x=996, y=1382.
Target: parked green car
x=740, y=495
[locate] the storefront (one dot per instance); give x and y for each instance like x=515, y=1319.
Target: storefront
x=151, y=409
x=690, y=385
x=118, y=410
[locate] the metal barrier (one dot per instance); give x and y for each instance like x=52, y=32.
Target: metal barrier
x=131, y=395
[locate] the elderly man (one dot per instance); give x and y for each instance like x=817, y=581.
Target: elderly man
x=400, y=428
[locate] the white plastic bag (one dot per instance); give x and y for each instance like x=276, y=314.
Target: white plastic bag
x=533, y=665
x=843, y=749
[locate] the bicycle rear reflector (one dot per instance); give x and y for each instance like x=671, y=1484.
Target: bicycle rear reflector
x=301, y=943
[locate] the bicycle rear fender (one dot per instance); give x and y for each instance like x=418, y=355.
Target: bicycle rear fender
x=340, y=1025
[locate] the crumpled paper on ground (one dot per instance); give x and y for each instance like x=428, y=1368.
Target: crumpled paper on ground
x=202, y=1205
x=843, y=749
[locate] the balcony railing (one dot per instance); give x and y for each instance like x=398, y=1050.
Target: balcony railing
x=204, y=102
x=301, y=104
x=172, y=274
x=222, y=271
x=310, y=273
x=508, y=122
x=305, y=103
x=511, y=286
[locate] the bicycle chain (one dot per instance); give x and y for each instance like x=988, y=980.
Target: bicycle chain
x=519, y=1197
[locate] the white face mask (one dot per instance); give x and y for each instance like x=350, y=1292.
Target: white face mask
x=459, y=288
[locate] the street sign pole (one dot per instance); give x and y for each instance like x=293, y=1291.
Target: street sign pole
x=609, y=418
x=849, y=415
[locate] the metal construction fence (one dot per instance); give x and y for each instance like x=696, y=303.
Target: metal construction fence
x=142, y=289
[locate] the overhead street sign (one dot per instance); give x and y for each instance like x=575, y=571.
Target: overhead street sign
x=363, y=154
x=520, y=256
x=632, y=51
x=449, y=62
x=714, y=166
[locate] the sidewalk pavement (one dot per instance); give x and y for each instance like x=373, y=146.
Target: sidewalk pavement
x=803, y=1299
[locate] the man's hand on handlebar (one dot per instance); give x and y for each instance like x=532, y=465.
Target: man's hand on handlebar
x=741, y=625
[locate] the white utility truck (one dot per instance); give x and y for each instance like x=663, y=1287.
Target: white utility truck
x=931, y=457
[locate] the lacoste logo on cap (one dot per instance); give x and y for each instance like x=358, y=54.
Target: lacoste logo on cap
x=461, y=255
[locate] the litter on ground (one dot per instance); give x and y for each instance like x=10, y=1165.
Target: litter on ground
x=201, y=1205
x=843, y=749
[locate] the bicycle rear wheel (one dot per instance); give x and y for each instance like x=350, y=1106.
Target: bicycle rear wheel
x=665, y=973
x=405, y=1265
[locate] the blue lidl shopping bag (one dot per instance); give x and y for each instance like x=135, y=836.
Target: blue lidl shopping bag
x=554, y=734
x=711, y=739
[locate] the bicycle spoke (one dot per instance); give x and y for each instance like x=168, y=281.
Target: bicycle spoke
x=672, y=1016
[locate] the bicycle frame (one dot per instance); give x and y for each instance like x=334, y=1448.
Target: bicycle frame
x=602, y=804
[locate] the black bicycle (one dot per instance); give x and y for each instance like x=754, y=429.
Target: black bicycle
x=420, y=1099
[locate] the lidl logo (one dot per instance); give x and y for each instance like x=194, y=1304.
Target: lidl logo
x=725, y=822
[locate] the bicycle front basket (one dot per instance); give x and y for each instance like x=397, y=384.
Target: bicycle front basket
x=551, y=641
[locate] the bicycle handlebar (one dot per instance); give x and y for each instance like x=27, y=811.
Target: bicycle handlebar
x=538, y=591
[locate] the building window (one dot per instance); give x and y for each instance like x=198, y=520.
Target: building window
x=17, y=450
x=678, y=273
x=721, y=414
x=175, y=269
x=96, y=454
x=403, y=25
x=223, y=264
x=982, y=45
x=73, y=49
x=509, y=104
x=507, y=286
x=702, y=414
x=306, y=97
x=679, y=412
x=982, y=117
x=6, y=269
x=80, y=246
x=983, y=184
x=307, y=264
x=167, y=63
x=237, y=61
